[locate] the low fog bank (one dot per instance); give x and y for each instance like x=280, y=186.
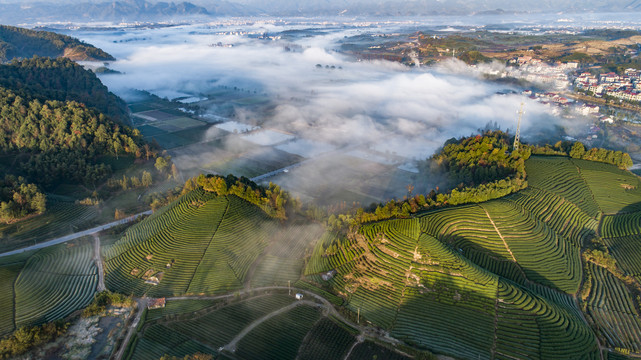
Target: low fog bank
x=381, y=114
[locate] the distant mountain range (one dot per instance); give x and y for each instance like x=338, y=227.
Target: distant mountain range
x=13, y=12
x=122, y=10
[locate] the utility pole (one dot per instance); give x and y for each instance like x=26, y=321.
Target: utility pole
x=289, y=287
x=517, y=137
x=358, y=316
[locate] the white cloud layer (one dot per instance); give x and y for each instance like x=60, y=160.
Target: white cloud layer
x=382, y=105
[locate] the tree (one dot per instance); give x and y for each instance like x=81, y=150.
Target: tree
x=626, y=161
x=410, y=188
x=174, y=172
x=578, y=150
x=161, y=164
x=146, y=178
x=119, y=214
x=124, y=182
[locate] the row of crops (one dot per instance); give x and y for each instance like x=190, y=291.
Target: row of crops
x=292, y=329
x=429, y=293
x=241, y=237
x=621, y=225
x=428, y=284
x=165, y=250
x=545, y=257
x=60, y=219
x=492, y=280
x=611, y=307
x=532, y=327
x=561, y=176
x=615, y=190
x=46, y=285
x=199, y=244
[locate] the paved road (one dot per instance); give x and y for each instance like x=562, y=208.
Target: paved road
x=281, y=170
x=76, y=235
x=98, y=261
x=142, y=304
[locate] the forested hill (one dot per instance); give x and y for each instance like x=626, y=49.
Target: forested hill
x=63, y=80
x=58, y=123
x=18, y=42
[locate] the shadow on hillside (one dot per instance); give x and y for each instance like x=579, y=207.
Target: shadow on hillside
x=632, y=208
x=503, y=266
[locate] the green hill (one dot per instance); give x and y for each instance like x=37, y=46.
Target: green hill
x=549, y=272
x=18, y=42
x=207, y=244
x=498, y=279
x=61, y=79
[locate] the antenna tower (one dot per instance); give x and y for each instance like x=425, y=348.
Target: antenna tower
x=517, y=137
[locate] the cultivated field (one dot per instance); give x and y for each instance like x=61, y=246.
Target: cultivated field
x=504, y=279
x=46, y=285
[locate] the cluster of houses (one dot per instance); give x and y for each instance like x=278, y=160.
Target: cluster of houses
x=558, y=103
x=625, y=87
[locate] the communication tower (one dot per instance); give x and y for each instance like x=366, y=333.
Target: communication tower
x=517, y=137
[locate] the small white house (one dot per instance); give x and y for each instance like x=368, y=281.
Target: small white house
x=299, y=296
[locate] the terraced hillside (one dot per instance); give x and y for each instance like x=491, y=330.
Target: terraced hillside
x=46, y=285
x=500, y=276
x=206, y=244
x=510, y=278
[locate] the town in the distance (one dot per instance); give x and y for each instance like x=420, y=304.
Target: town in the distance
x=343, y=179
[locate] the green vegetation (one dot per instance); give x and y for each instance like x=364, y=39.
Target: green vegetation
x=612, y=310
x=481, y=165
x=498, y=274
x=18, y=42
x=560, y=176
x=279, y=337
x=474, y=57
x=59, y=219
x=618, y=158
x=58, y=149
x=209, y=324
x=368, y=350
x=272, y=200
x=46, y=285
x=580, y=57
x=62, y=134
x=190, y=246
x=19, y=199
x=480, y=159
x=512, y=277
x=104, y=299
x=63, y=80
x=53, y=283
x=26, y=338
x=614, y=190
x=327, y=341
